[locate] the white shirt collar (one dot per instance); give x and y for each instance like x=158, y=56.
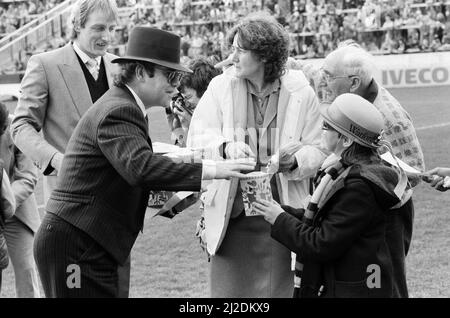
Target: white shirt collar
x=138, y=100
x=83, y=56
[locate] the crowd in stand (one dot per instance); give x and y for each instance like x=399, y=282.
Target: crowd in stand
x=14, y=15
x=381, y=26
x=315, y=26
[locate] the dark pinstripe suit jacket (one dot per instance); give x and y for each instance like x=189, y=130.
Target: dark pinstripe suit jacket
x=109, y=168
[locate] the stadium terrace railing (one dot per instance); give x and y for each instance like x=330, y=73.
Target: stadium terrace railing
x=47, y=26
x=39, y=18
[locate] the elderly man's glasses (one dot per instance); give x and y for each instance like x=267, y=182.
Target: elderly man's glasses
x=173, y=77
x=329, y=77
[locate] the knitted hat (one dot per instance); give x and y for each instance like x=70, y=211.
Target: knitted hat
x=356, y=118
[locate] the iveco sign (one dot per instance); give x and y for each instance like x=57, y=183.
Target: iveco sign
x=409, y=70
x=413, y=70
x=427, y=76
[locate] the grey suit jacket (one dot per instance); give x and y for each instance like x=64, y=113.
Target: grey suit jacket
x=108, y=170
x=54, y=95
x=23, y=177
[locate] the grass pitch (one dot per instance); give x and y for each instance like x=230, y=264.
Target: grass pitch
x=168, y=262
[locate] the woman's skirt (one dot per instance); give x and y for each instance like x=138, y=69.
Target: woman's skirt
x=249, y=263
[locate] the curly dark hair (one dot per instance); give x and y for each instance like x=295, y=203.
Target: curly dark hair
x=203, y=72
x=267, y=39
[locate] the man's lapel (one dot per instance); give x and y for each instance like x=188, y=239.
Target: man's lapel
x=75, y=81
x=146, y=118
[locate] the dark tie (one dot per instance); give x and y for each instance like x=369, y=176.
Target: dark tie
x=146, y=120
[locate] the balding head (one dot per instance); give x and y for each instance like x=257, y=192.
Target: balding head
x=348, y=69
x=353, y=60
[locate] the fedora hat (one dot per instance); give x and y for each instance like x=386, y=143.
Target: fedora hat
x=155, y=46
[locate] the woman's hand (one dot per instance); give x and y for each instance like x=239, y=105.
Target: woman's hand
x=439, y=178
x=441, y=172
x=270, y=210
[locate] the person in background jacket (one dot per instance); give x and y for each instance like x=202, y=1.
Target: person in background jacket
x=20, y=229
x=340, y=239
x=192, y=87
x=7, y=196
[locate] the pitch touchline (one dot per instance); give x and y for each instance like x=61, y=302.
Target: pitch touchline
x=433, y=126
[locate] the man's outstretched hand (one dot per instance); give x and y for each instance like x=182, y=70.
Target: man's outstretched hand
x=232, y=168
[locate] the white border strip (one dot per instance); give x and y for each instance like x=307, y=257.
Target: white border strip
x=434, y=126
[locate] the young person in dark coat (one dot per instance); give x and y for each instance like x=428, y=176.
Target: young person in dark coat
x=342, y=246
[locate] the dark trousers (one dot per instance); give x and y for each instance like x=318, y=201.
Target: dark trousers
x=71, y=264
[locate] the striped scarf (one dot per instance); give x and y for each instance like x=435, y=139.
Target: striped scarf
x=325, y=179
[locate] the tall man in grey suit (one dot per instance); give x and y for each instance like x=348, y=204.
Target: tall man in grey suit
x=61, y=85
x=97, y=209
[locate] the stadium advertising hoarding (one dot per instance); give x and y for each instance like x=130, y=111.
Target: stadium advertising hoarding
x=393, y=71
x=411, y=70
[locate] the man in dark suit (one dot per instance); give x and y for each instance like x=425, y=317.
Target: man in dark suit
x=97, y=209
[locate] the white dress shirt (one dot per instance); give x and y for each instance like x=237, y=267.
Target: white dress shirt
x=86, y=58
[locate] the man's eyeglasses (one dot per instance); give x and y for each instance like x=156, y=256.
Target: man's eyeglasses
x=329, y=77
x=173, y=77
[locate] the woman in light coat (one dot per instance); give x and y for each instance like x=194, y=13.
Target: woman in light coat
x=252, y=110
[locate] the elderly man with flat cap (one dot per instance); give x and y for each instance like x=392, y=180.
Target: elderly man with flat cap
x=97, y=209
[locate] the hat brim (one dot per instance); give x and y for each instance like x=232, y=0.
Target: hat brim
x=174, y=66
x=343, y=131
